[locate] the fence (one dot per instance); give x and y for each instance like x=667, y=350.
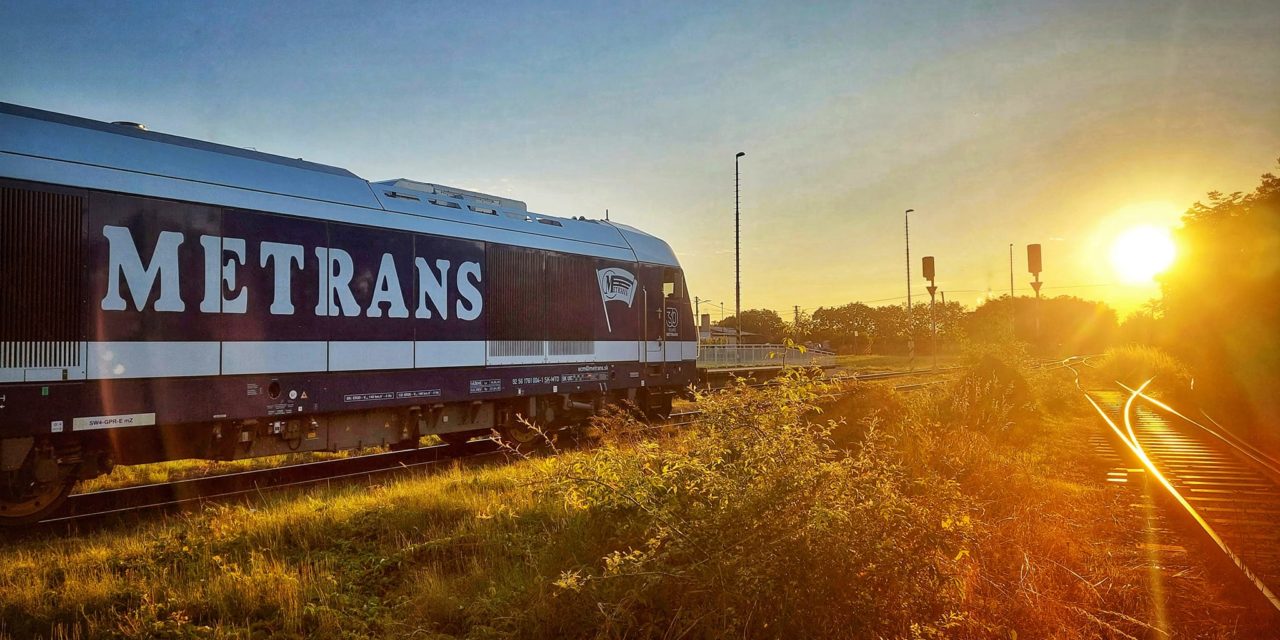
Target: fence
x=720, y=356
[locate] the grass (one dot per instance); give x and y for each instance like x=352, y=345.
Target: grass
x=961, y=511
x=159, y=472
x=874, y=363
x=1135, y=364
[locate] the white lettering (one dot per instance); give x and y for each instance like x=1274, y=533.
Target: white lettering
x=282, y=257
x=215, y=284
x=468, y=278
x=124, y=263
x=388, y=290
x=336, y=271
x=433, y=286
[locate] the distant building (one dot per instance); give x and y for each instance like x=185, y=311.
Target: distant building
x=715, y=334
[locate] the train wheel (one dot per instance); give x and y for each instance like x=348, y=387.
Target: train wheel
x=523, y=436
x=36, y=501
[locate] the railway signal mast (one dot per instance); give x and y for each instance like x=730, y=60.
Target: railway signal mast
x=927, y=266
x=1033, y=267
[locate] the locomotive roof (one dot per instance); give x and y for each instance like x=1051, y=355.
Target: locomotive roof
x=61, y=149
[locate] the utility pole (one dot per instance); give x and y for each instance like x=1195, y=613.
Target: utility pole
x=797, y=320
x=911, y=340
x=944, y=300
x=737, y=247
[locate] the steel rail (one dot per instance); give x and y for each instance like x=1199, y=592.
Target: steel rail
x=1231, y=440
x=1130, y=438
x=97, y=504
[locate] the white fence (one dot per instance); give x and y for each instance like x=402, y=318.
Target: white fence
x=722, y=356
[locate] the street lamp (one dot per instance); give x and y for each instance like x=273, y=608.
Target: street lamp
x=911, y=342
x=737, y=246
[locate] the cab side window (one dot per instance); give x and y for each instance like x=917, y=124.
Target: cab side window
x=673, y=284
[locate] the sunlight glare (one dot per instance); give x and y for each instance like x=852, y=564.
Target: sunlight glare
x=1141, y=253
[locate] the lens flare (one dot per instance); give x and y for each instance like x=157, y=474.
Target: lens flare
x=1141, y=253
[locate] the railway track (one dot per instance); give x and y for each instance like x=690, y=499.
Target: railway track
x=86, y=507
x=96, y=506
x=1227, y=490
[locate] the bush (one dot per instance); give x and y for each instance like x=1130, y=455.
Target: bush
x=752, y=524
x=1133, y=365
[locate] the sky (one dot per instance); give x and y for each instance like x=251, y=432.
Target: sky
x=1062, y=124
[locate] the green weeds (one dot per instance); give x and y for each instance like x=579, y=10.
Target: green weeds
x=963, y=510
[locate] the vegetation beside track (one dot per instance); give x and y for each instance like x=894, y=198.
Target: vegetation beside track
x=1134, y=364
x=160, y=472
x=971, y=509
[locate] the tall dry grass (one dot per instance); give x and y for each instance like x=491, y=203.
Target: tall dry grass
x=1135, y=364
x=960, y=511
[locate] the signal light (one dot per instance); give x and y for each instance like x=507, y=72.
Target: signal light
x=1033, y=259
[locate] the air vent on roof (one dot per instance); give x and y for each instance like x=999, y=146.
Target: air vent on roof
x=484, y=210
x=397, y=194
x=456, y=193
x=445, y=203
x=132, y=125
x=554, y=223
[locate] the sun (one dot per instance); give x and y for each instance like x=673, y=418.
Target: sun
x=1141, y=253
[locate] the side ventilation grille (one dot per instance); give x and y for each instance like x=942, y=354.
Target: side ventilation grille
x=515, y=347
x=40, y=275
x=571, y=347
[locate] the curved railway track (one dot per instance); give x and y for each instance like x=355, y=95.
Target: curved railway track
x=1227, y=490
x=97, y=505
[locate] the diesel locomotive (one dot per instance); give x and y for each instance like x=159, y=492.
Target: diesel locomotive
x=165, y=298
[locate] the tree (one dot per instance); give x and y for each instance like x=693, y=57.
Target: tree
x=1222, y=297
x=765, y=323
x=1067, y=325
x=846, y=328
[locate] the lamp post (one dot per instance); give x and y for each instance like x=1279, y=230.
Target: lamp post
x=911, y=341
x=737, y=246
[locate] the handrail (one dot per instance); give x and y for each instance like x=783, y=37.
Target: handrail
x=713, y=356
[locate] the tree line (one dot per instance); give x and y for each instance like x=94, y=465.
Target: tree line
x=1220, y=309
x=1062, y=324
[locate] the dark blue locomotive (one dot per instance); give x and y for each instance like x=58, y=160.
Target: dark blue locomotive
x=165, y=298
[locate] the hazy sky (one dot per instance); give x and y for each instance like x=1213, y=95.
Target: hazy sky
x=997, y=123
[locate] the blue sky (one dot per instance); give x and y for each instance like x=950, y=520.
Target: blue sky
x=998, y=123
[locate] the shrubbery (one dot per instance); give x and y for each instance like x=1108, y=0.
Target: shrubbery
x=754, y=524
x=960, y=510
x=1133, y=365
